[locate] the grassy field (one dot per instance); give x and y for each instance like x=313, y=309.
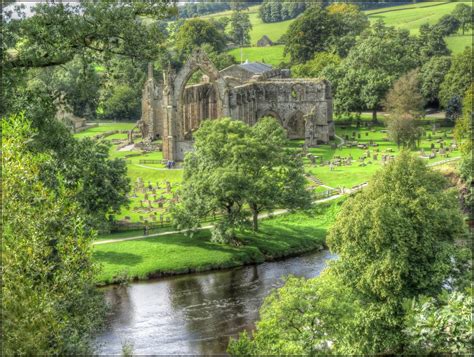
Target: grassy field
x=348, y=176
x=259, y=28
x=106, y=126
x=457, y=43
x=409, y=17
x=174, y=254
x=157, y=175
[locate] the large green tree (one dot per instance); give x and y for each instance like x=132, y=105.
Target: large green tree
x=463, y=13
x=59, y=34
x=197, y=32
x=120, y=94
x=349, y=23
x=448, y=25
x=395, y=242
x=240, y=27
x=459, y=76
x=50, y=305
x=276, y=176
x=315, y=66
x=319, y=29
x=432, y=74
x=100, y=184
x=431, y=43
x=404, y=103
x=363, y=78
x=236, y=166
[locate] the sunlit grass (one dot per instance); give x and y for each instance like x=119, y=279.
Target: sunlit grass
x=172, y=254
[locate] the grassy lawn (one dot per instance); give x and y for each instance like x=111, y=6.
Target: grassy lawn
x=457, y=43
x=348, y=176
x=104, y=127
x=411, y=17
x=340, y=176
x=174, y=254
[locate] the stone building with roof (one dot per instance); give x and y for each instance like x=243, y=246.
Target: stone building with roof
x=264, y=42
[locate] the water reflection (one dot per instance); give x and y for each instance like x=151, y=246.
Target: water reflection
x=196, y=314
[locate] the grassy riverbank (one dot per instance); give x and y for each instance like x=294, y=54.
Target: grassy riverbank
x=280, y=236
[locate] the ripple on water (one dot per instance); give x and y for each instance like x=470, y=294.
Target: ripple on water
x=197, y=313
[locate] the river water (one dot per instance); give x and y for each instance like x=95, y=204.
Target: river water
x=197, y=313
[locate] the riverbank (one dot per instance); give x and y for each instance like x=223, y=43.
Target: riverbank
x=279, y=237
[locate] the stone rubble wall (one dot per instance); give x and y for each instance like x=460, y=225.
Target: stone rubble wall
x=171, y=110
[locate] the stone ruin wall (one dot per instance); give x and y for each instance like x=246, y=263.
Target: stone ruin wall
x=303, y=107
x=172, y=111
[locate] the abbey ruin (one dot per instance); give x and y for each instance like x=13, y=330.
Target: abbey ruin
x=172, y=110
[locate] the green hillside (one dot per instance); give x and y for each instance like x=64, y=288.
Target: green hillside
x=272, y=30
x=409, y=17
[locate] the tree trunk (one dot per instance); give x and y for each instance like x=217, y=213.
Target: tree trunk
x=255, y=220
x=374, y=115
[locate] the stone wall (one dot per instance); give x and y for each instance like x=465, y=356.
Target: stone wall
x=173, y=111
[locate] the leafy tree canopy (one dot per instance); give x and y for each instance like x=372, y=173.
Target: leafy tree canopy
x=431, y=43
x=405, y=200
x=459, y=76
x=278, y=10
x=240, y=27
x=50, y=305
x=395, y=244
x=196, y=32
x=59, y=31
x=236, y=166
x=463, y=13
x=122, y=85
x=319, y=29
x=363, y=78
x=442, y=325
x=448, y=25
x=314, y=67
x=463, y=135
x=432, y=74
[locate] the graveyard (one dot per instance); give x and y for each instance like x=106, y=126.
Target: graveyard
x=349, y=160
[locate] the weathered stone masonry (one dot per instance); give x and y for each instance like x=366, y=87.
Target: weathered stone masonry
x=171, y=110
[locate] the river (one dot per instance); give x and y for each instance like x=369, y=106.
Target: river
x=197, y=313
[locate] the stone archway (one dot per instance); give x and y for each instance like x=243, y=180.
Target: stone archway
x=295, y=125
x=273, y=114
x=198, y=61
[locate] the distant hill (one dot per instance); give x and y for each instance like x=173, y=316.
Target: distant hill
x=409, y=17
